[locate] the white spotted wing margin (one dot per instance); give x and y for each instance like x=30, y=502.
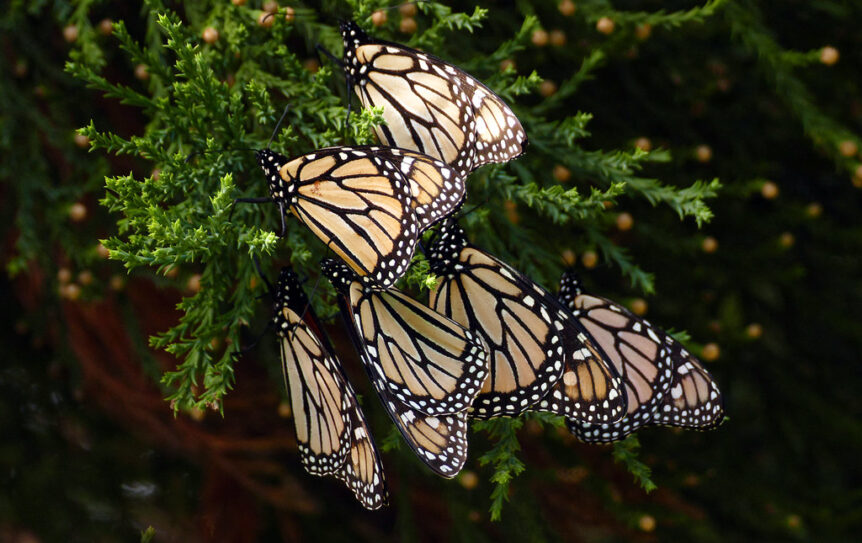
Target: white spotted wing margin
x=539, y=358
x=425, y=368
x=664, y=383
x=331, y=431
x=430, y=105
x=369, y=204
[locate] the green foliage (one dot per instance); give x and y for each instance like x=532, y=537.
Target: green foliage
x=625, y=452
x=502, y=457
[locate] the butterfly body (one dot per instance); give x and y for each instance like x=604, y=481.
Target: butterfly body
x=539, y=358
x=430, y=105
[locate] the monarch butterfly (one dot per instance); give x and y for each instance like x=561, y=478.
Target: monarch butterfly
x=429, y=105
x=369, y=204
x=331, y=430
x=665, y=384
x=539, y=356
x=426, y=368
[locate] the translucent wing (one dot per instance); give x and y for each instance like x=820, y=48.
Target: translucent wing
x=429, y=105
x=368, y=204
x=331, y=430
x=538, y=356
x=663, y=382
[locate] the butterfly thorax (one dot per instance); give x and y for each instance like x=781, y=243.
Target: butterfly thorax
x=570, y=288
x=338, y=274
x=273, y=164
x=353, y=37
x=444, y=253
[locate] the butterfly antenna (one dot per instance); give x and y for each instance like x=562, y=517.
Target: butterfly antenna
x=278, y=125
x=257, y=267
x=329, y=55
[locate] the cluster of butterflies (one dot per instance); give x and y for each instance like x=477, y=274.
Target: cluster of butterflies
x=490, y=342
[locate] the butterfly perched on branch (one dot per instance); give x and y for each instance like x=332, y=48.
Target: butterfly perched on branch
x=665, y=384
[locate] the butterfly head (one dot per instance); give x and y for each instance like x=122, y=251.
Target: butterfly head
x=353, y=37
x=271, y=163
x=446, y=246
x=338, y=274
x=570, y=286
x=289, y=292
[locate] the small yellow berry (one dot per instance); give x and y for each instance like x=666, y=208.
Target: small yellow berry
x=408, y=25
x=754, y=330
x=474, y=516
x=265, y=19
x=643, y=143
x=468, y=479
x=558, y=38
x=238, y=2
x=85, y=277
x=569, y=257
x=284, y=410
x=194, y=283
x=103, y=251
x=829, y=55
x=814, y=210
x=605, y=25
x=710, y=352
x=106, y=27
x=786, y=240
x=77, y=212
x=70, y=33
x=171, y=272
x=547, y=88
x=625, y=221
x=116, y=282
x=709, y=244
x=639, y=307
x=561, y=173
x=643, y=31
x=210, y=35
x=539, y=38
x=507, y=63
x=379, y=18
x=270, y=6
x=81, y=141
x=289, y=14
x=311, y=64
x=196, y=414
x=848, y=148
x=407, y=10
x=646, y=523
x=703, y=153
x=64, y=275
x=142, y=72
x=794, y=522
x=511, y=209
x=589, y=259
x=71, y=291
x=567, y=8
x=769, y=190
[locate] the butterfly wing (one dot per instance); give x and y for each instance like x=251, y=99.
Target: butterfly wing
x=331, y=430
x=429, y=105
x=425, y=360
x=648, y=360
x=533, y=342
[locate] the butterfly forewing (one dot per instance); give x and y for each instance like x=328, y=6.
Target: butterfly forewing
x=362, y=471
x=694, y=400
x=368, y=204
x=425, y=360
x=429, y=105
